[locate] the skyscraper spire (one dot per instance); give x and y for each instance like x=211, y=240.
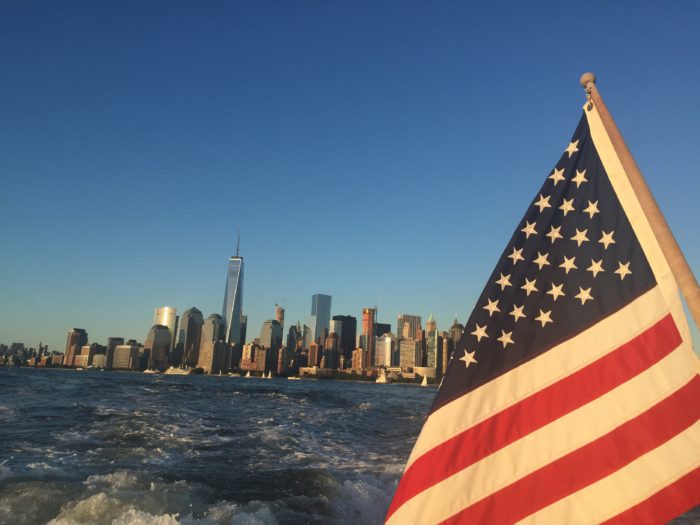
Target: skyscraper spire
x=238, y=242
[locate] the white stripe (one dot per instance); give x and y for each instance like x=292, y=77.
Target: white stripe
x=548, y=443
x=561, y=361
x=638, y=220
x=629, y=486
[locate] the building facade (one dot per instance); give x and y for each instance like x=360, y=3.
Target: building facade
x=189, y=336
x=157, y=344
x=320, y=318
x=385, y=348
x=348, y=334
x=126, y=357
x=407, y=325
x=167, y=316
x=409, y=353
x=77, y=338
x=369, y=318
x=232, y=310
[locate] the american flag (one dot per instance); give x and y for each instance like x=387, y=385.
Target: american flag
x=573, y=395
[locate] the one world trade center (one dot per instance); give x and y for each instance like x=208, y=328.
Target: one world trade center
x=233, y=299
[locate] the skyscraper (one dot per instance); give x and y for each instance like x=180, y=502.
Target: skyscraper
x=295, y=338
x=214, y=353
x=431, y=343
x=157, y=344
x=406, y=326
x=271, y=335
x=456, y=331
x=348, y=334
x=233, y=300
x=77, y=338
x=112, y=343
x=279, y=315
x=320, y=318
x=368, y=319
x=244, y=329
x=167, y=316
x=189, y=334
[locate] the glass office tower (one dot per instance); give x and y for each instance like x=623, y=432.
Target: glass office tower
x=233, y=300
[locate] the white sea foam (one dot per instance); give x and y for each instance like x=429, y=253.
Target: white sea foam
x=116, y=480
x=102, y=509
x=43, y=468
x=363, y=500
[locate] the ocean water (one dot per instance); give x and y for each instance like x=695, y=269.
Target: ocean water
x=127, y=448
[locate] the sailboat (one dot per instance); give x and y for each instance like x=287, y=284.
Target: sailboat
x=425, y=381
x=247, y=373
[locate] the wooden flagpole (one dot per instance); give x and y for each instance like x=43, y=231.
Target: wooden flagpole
x=676, y=260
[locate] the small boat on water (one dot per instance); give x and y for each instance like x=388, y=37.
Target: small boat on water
x=150, y=371
x=383, y=379
x=294, y=378
x=425, y=381
x=268, y=376
x=233, y=374
x=79, y=369
x=174, y=371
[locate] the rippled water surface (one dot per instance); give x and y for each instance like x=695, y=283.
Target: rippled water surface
x=128, y=448
x=104, y=447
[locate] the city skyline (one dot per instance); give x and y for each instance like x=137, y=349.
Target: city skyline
x=362, y=152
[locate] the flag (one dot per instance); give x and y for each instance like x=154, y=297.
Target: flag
x=573, y=395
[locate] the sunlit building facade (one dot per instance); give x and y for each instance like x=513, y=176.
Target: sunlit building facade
x=77, y=338
x=167, y=316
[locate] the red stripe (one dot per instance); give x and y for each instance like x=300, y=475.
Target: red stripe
x=538, y=410
x=590, y=463
x=671, y=501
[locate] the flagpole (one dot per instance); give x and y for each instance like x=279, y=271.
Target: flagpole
x=676, y=260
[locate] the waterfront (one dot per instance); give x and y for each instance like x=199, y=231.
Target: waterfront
x=108, y=447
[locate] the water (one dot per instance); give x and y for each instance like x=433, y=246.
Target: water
x=126, y=448
x=123, y=448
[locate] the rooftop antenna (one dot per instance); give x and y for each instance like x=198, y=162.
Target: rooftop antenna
x=238, y=242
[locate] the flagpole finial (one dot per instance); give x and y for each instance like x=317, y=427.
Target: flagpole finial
x=586, y=79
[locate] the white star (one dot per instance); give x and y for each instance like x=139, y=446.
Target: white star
x=492, y=306
x=607, y=239
x=580, y=178
x=529, y=229
x=516, y=255
x=544, y=317
x=505, y=338
x=543, y=203
x=580, y=236
x=592, y=209
x=556, y=291
x=504, y=281
x=584, y=295
x=480, y=332
x=554, y=233
x=518, y=312
x=557, y=175
x=468, y=358
x=596, y=267
x=541, y=260
x=568, y=264
x=529, y=286
x=572, y=148
x=623, y=270
x=567, y=206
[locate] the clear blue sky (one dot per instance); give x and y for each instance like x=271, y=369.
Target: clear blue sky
x=380, y=152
